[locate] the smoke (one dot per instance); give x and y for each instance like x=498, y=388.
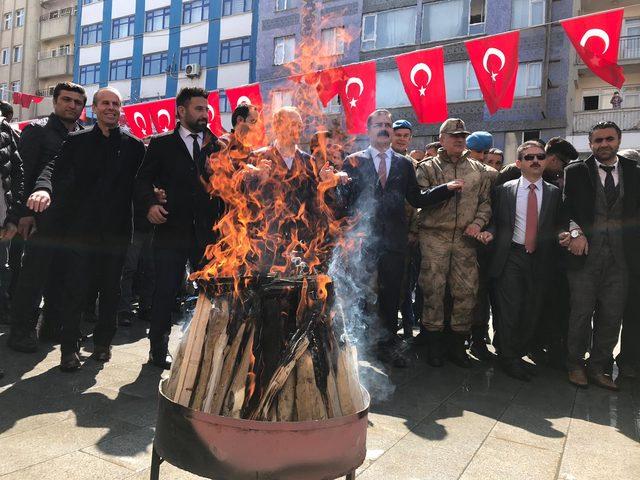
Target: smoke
x=352, y=269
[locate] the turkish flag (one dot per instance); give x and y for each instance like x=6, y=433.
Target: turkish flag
x=249, y=94
x=327, y=82
x=422, y=75
x=215, y=122
x=21, y=125
x=138, y=118
x=495, y=61
x=358, y=95
x=163, y=114
x=596, y=38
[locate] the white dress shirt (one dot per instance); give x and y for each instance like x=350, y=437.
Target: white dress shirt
x=188, y=139
x=522, y=197
x=376, y=159
x=288, y=161
x=602, y=174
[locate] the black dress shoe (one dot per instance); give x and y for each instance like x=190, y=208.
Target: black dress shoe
x=25, y=343
x=481, y=352
x=125, y=319
x=160, y=359
x=517, y=371
x=529, y=368
x=101, y=354
x=457, y=353
x=70, y=362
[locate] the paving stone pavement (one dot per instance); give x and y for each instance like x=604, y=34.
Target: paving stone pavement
x=439, y=424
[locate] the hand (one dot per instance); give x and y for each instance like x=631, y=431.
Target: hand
x=485, y=237
x=564, y=238
x=472, y=230
x=264, y=169
x=39, y=201
x=579, y=246
x=26, y=227
x=157, y=214
x=161, y=195
x=326, y=173
x=8, y=232
x=455, y=185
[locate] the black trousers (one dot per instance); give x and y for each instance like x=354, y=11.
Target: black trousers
x=171, y=251
x=99, y=265
x=411, y=310
x=15, y=262
x=518, y=295
x=139, y=257
x=389, y=283
x=630, y=342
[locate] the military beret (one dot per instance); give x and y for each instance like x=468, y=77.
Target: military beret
x=480, y=141
x=402, y=124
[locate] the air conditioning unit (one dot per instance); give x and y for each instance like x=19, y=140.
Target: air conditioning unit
x=192, y=70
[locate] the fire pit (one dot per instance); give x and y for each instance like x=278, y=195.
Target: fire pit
x=225, y=448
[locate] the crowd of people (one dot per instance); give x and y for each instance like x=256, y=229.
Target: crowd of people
x=538, y=258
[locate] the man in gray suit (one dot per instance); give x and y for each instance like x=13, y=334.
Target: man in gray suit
x=526, y=223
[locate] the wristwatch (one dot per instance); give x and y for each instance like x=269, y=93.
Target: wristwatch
x=575, y=233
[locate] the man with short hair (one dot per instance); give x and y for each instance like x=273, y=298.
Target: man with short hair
x=495, y=158
x=602, y=198
x=447, y=242
x=526, y=223
x=6, y=110
x=41, y=270
x=176, y=162
x=244, y=136
x=431, y=149
x=417, y=156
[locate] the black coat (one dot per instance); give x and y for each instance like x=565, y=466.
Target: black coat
x=386, y=207
x=551, y=222
x=91, y=183
x=168, y=165
x=580, y=199
x=11, y=172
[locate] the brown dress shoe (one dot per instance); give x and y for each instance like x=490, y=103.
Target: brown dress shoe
x=70, y=362
x=603, y=381
x=578, y=377
x=101, y=354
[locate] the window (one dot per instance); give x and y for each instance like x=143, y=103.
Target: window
x=89, y=74
x=4, y=91
x=389, y=91
x=64, y=49
x=8, y=21
x=196, y=11
x=334, y=106
x=15, y=86
x=281, y=98
x=157, y=19
x=89, y=2
x=530, y=135
x=91, y=34
x=332, y=41
x=529, y=80
x=461, y=82
x=591, y=102
x=17, y=54
x=231, y=7
x=196, y=54
x=285, y=4
x=285, y=49
x=120, y=69
x=4, y=56
x=451, y=19
x=389, y=29
x=236, y=50
x=20, y=17
x=155, y=64
x=526, y=13
x=225, y=107
x=122, y=27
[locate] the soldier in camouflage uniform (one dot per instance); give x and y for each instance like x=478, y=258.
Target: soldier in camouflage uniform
x=447, y=241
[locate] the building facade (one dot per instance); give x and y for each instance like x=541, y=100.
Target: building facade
x=149, y=49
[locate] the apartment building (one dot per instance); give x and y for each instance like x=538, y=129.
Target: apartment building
x=149, y=49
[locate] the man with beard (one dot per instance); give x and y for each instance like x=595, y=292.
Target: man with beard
x=382, y=181
x=244, y=135
x=602, y=198
x=41, y=270
x=176, y=163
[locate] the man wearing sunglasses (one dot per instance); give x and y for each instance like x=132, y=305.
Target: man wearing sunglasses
x=602, y=196
x=527, y=219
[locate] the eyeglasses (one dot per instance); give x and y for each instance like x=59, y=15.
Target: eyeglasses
x=531, y=157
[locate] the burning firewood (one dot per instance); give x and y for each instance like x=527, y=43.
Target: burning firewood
x=309, y=403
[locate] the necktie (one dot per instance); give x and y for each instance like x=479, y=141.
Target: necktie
x=196, y=146
x=382, y=169
x=531, y=228
x=609, y=185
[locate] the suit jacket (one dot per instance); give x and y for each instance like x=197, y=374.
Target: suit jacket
x=551, y=221
x=580, y=199
x=168, y=165
x=385, y=206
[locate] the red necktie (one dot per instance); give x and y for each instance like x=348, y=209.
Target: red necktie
x=382, y=169
x=531, y=228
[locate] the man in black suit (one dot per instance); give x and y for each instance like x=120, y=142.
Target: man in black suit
x=176, y=163
x=381, y=181
x=526, y=221
x=602, y=198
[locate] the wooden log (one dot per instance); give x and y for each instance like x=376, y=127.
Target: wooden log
x=230, y=360
x=287, y=400
x=354, y=378
x=309, y=403
x=342, y=381
x=237, y=390
x=172, y=383
x=333, y=398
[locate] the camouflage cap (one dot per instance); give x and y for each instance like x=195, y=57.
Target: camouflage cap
x=453, y=126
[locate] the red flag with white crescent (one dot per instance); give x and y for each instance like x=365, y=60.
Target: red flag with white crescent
x=422, y=75
x=163, y=114
x=249, y=94
x=327, y=82
x=138, y=118
x=215, y=122
x=596, y=38
x=358, y=95
x=495, y=62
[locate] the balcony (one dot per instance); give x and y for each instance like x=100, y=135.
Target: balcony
x=625, y=118
x=55, y=66
x=629, y=49
x=53, y=28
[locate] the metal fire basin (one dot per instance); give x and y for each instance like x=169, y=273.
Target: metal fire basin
x=223, y=448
